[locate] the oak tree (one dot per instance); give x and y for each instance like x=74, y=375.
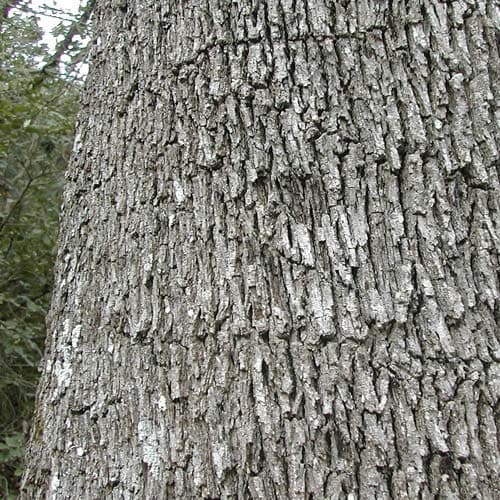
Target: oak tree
x=278, y=265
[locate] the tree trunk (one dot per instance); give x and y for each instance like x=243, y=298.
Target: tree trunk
x=277, y=270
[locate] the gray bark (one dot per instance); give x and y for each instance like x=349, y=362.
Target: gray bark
x=278, y=266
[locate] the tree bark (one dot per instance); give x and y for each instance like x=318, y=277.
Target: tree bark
x=278, y=266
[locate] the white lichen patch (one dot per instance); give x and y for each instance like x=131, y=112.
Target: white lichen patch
x=162, y=403
x=75, y=338
x=54, y=485
x=304, y=241
x=220, y=459
x=77, y=143
x=63, y=371
x=62, y=367
x=148, y=437
x=66, y=329
x=148, y=263
x=179, y=192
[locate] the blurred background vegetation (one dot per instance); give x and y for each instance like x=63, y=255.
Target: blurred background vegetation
x=39, y=90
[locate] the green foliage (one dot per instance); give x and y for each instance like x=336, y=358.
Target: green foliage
x=37, y=114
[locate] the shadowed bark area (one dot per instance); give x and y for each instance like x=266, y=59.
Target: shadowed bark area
x=277, y=272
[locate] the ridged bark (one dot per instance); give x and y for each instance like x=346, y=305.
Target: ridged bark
x=277, y=271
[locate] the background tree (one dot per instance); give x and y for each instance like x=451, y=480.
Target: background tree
x=37, y=114
x=277, y=270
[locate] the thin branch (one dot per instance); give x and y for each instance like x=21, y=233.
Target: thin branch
x=47, y=11
x=24, y=191
x=74, y=30
x=7, y=6
x=16, y=204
